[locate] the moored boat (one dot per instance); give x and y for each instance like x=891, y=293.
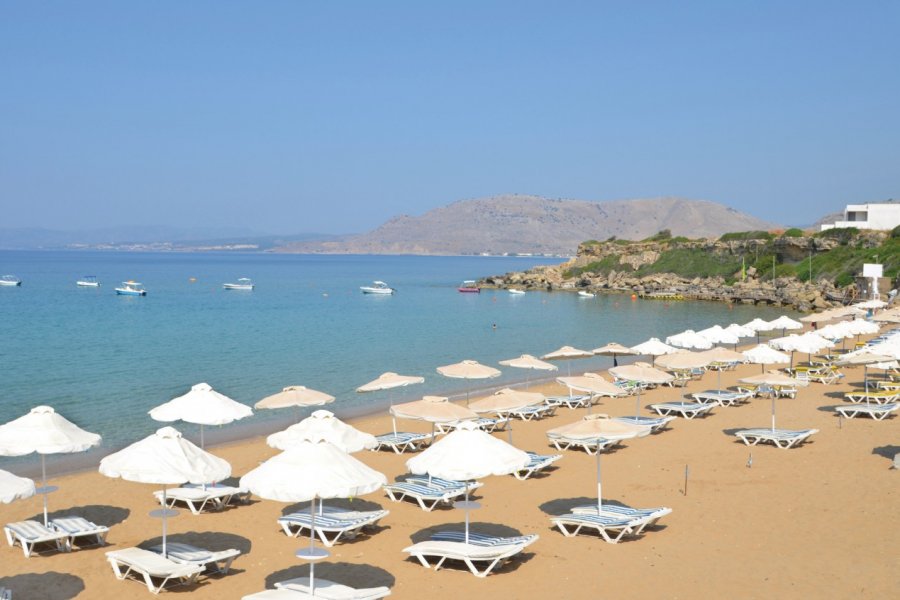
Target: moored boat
x=243, y=283
x=515, y=291
x=10, y=281
x=377, y=287
x=88, y=281
x=131, y=288
x=468, y=287
x=585, y=294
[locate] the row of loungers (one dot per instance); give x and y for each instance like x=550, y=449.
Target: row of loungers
x=62, y=534
x=300, y=589
x=183, y=564
x=199, y=499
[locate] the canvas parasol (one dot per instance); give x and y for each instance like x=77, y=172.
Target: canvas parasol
x=468, y=369
x=504, y=402
x=615, y=350
x=641, y=373
x=531, y=363
x=13, y=487
x=201, y=406
x=295, y=395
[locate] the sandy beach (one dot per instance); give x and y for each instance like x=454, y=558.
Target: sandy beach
x=819, y=520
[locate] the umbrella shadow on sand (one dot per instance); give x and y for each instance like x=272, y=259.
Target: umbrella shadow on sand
x=492, y=529
x=214, y=541
x=357, y=504
x=100, y=514
x=349, y=574
x=47, y=586
x=562, y=506
x=887, y=452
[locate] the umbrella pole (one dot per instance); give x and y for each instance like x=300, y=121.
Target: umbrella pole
x=312, y=545
x=467, y=512
x=44, y=489
x=773, y=411
x=394, y=423
x=719, y=380
x=202, y=441
x=165, y=512
x=637, y=403
x=509, y=427
x=599, y=494
x=432, y=433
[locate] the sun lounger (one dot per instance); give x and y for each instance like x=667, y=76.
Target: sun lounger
x=400, y=442
x=329, y=590
x=196, y=499
x=878, y=412
x=785, y=391
x=326, y=523
x=826, y=376
x=647, y=517
x=489, y=424
x=536, y=462
x=279, y=594
x=231, y=494
x=783, y=438
x=151, y=567
x=481, y=539
x=470, y=554
x=722, y=398
x=688, y=410
x=186, y=554
x=31, y=533
x=5, y=594
x=655, y=424
x=573, y=402
x=530, y=413
x=872, y=396
x=591, y=446
x=79, y=527
x=428, y=497
x=444, y=485
x=611, y=528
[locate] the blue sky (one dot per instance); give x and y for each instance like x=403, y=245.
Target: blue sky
x=301, y=116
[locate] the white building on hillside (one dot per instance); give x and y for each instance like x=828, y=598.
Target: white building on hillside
x=883, y=216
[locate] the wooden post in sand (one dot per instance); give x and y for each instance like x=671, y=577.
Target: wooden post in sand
x=686, y=471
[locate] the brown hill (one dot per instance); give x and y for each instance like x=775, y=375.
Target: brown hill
x=531, y=224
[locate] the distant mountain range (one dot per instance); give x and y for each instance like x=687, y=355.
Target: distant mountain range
x=517, y=224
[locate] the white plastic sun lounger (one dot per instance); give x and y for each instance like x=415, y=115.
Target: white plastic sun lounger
x=688, y=410
x=647, y=517
x=400, y=442
x=470, y=554
x=655, y=424
x=329, y=590
x=874, y=397
x=31, y=533
x=580, y=401
x=428, y=497
x=591, y=445
x=783, y=438
x=878, y=412
x=444, y=485
x=530, y=413
x=536, y=462
x=150, y=566
x=79, y=527
x=611, y=528
x=186, y=554
x=230, y=494
x=195, y=499
x=481, y=539
x=722, y=398
x=279, y=594
x=325, y=524
x=488, y=424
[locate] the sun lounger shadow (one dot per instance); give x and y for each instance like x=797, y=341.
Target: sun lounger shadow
x=835, y=395
x=350, y=574
x=731, y=431
x=561, y=506
x=357, y=504
x=47, y=586
x=214, y=541
x=100, y=514
x=488, y=529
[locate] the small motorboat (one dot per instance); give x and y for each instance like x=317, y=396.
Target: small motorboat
x=468, y=287
x=131, y=288
x=10, y=281
x=515, y=291
x=585, y=294
x=88, y=281
x=242, y=284
x=377, y=287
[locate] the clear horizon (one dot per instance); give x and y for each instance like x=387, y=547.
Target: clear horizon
x=292, y=117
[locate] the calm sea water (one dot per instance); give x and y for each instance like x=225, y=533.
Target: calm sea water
x=104, y=360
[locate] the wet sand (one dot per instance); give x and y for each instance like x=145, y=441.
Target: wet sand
x=818, y=520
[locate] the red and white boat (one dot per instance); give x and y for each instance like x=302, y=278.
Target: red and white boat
x=468, y=287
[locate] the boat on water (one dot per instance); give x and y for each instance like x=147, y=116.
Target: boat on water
x=377, y=287
x=585, y=294
x=10, y=281
x=468, y=287
x=515, y=291
x=88, y=281
x=243, y=283
x=131, y=288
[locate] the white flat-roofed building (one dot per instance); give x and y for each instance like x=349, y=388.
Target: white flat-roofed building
x=882, y=216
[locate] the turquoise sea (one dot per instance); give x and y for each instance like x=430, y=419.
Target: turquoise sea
x=104, y=360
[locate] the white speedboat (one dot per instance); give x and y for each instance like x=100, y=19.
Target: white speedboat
x=585, y=294
x=515, y=291
x=88, y=281
x=10, y=281
x=377, y=287
x=242, y=284
x=131, y=288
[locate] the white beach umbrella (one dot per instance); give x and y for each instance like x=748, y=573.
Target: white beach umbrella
x=568, y=354
x=689, y=339
x=774, y=378
x=680, y=361
x=297, y=396
x=431, y=409
x=765, y=355
x=13, y=487
x=531, y=363
x=861, y=327
x=466, y=454
x=740, y=330
x=653, y=347
x=757, y=325
x=718, y=335
x=615, y=350
x=503, y=402
x=468, y=369
x=165, y=458
x=390, y=381
x=641, y=373
x=870, y=304
x=592, y=383
x=308, y=471
x=865, y=358
x=44, y=431
x=201, y=406
x=784, y=323
x=887, y=316
x=595, y=427
x=323, y=425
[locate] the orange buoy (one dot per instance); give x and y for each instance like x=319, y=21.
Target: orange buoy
x=633, y=297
